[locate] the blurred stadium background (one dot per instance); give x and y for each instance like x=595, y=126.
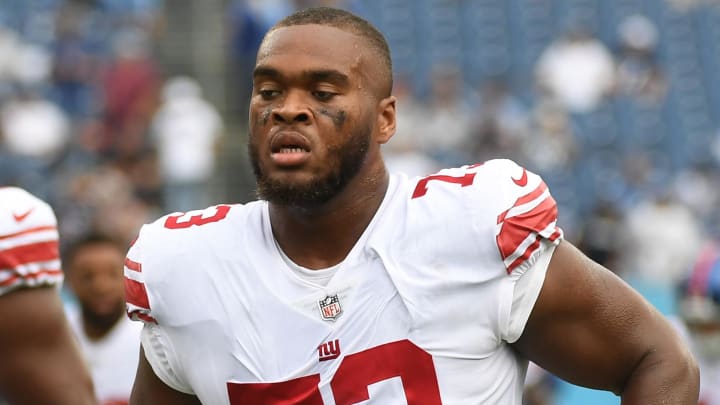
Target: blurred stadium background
x=117, y=111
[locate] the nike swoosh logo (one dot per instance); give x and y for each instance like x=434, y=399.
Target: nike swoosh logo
x=522, y=181
x=21, y=217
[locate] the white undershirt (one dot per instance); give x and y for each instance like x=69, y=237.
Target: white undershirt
x=320, y=276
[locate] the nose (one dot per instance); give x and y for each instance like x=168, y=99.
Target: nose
x=292, y=109
x=104, y=284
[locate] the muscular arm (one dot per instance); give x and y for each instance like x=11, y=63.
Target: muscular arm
x=591, y=329
x=41, y=363
x=150, y=390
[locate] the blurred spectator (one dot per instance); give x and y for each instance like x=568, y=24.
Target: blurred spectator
x=186, y=130
x=143, y=172
x=446, y=128
x=697, y=188
x=35, y=133
x=130, y=86
x=9, y=42
x=76, y=65
x=699, y=310
x=405, y=154
x=500, y=123
x=638, y=73
x=662, y=237
x=109, y=341
x=601, y=236
x=576, y=69
x=102, y=199
x=21, y=63
x=247, y=27
x=550, y=143
x=688, y=5
x=34, y=128
x=144, y=14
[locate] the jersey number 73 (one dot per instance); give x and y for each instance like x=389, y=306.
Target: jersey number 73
x=402, y=359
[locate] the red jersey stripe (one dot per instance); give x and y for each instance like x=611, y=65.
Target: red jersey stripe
x=524, y=200
x=515, y=230
x=38, y=274
x=555, y=235
x=531, y=250
x=526, y=255
x=34, y=252
x=539, y=190
x=136, y=294
x=135, y=266
x=29, y=230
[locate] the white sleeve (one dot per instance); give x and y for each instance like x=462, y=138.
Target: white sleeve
x=162, y=358
x=525, y=291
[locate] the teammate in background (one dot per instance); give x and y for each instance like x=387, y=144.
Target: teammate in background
x=699, y=309
x=108, y=340
x=346, y=284
x=39, y=359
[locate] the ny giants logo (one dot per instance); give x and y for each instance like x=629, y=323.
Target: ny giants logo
x=329, y=350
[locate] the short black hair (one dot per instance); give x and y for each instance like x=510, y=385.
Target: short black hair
x=89, y=239
x=346, y=21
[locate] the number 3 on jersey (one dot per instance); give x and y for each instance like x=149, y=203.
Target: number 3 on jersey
x=198, y=218
x=351, y=381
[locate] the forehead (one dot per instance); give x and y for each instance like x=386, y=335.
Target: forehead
x=312, y=46
x=95, y=250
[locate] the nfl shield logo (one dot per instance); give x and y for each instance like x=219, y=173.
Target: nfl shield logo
x=330, y=308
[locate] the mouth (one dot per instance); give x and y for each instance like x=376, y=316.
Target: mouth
x=289, y=149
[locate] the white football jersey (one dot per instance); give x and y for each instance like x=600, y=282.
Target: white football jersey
x=29, y=251
x=420, y=312
x=112, y=359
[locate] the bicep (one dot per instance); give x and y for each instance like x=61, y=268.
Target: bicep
x=38, y=351
x=588, y=326
x=149, y=389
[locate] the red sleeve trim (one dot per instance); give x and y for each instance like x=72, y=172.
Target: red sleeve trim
x=136, y=294
x=30, y=276
x=134, y=266
x=519, y=229
x=35, y=252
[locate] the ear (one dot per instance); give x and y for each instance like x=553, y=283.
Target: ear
x=386, y=119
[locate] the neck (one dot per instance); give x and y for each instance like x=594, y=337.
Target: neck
x=322, y=236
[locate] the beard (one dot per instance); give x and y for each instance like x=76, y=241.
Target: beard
x=103, y=321
x=348, y=159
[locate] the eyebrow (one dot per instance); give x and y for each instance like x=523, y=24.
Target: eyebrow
x=321, y=75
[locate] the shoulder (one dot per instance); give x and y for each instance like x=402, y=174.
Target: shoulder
x=170, y=251
x=20, y=210
x=487, y=189
x=493, y=207
x=491, y=177
x=175, y=233
x=29, y=249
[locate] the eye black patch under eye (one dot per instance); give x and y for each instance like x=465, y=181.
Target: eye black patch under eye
x=338, y=116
